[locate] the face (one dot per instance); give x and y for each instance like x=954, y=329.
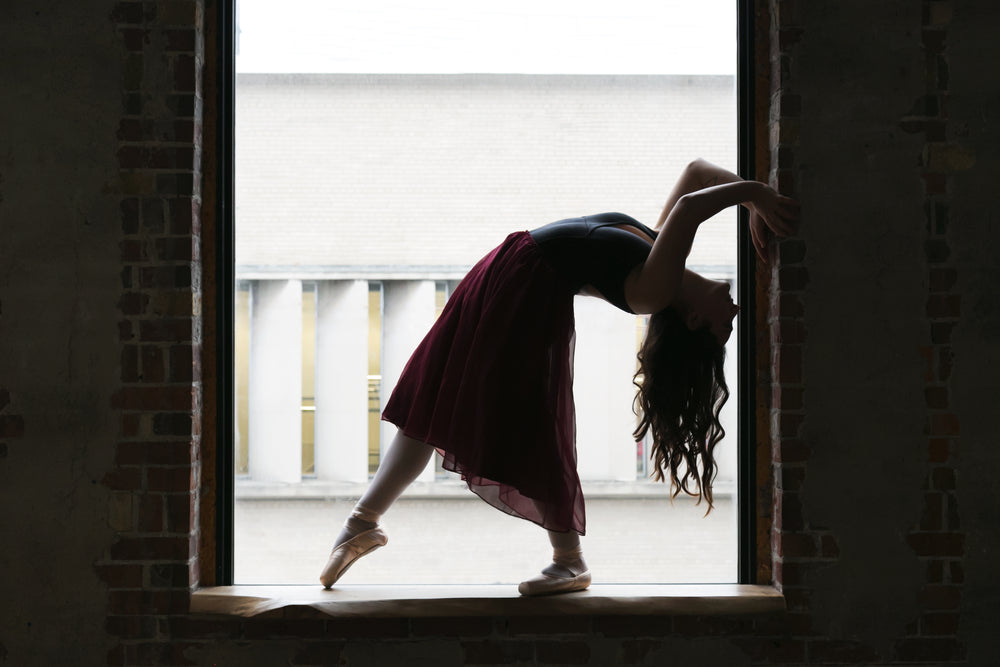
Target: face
x=708, y=303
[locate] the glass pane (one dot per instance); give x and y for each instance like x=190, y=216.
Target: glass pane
x=381, y=149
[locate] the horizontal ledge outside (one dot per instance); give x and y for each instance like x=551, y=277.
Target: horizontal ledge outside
x=487, y=600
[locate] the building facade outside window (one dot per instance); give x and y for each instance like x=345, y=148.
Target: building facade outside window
x=362, y=198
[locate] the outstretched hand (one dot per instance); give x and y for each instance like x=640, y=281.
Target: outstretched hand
x=771, y=213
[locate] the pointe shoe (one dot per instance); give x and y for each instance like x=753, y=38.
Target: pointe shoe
x=344, y=555
x=547, y=584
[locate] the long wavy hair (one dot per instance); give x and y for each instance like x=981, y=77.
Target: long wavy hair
x=680, y=391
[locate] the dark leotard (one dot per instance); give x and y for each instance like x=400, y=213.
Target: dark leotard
x=592, y=251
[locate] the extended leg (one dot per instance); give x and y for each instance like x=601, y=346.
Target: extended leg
x=404, y=461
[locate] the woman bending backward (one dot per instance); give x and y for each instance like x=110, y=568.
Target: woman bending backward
x=490, y=386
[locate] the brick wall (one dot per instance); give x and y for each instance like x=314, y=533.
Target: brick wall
x=882, y=322
x=156, y=476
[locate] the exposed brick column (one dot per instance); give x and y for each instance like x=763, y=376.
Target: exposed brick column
x=152, y=566
x=938, y=539
x=797, y=546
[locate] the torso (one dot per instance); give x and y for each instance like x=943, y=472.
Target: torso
x=599, y=254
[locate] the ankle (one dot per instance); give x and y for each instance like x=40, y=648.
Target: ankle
x=354, y=525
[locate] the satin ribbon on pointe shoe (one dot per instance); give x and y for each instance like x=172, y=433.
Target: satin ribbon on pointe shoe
x=548, y=584
x=344, y=555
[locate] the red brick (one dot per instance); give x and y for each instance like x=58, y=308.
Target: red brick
x=123, y=479
x=935, y=572
x=133, y=303
x=777, y=651
x=176, y=248
x=493, y=652
x=319, y=653
x=784, y=397
x=943, y=479
x=548, y=625
x=796, y=545
x=175, y=548
x=275, y=628
x=929, y=650
x=173, y=423
x=713, y=626
x=634, y=651
x=784, y=624
x=562, y=652
x=841, y=651
x=829, y=548
x=939, y=624
x=169, y=277
x=155, y=398
x=935, y=184
x=169, y=478
x=127, y=12
x=942, y=280
x=938, y=450
x=792, y=278
x=945, y=359
x=941, y=332
x=789, y=477
x=165, y=330
x=125, y=330
x=161, y=602
x=181, y=363
x=181, y=39
x=152, y=362
x=150, y=513
x=940, y=597
x=791, y=451
x=132, y=627
x=11, y=426
x=181, y=217
x=352, y=628
x=154, y=453
x=180, y=513
x=168, y=575
x=131, y=424
x=189, y=627
x=789, y=425
x=788, y=364
x=937, y=544
x=119, y=575
x=185, y=78
x=932, y=517
x=633, y=626
x=469, y=626
x=943, y=423
x=936, y=398
x=788, y=512
x=790, y=305
x=944, y=306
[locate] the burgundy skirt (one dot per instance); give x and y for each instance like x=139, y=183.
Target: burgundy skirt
x=491, y=387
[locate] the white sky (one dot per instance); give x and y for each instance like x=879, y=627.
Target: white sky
x=512, y=36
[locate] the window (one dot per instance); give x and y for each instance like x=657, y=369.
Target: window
x=328, y=310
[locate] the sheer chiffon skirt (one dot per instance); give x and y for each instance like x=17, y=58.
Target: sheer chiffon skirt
x=491, y=387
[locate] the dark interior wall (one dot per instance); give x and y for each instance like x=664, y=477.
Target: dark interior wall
x=887, y=321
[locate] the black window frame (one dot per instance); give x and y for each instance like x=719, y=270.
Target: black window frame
x=226, y=281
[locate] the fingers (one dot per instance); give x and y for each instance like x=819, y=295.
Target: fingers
x=759, y=244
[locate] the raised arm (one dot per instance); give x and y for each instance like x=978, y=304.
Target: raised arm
x=657, y=283
x=697, y=175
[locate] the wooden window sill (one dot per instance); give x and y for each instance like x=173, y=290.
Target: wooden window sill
x=494, y=600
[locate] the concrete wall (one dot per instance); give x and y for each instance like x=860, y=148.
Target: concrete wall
x=884, y=329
